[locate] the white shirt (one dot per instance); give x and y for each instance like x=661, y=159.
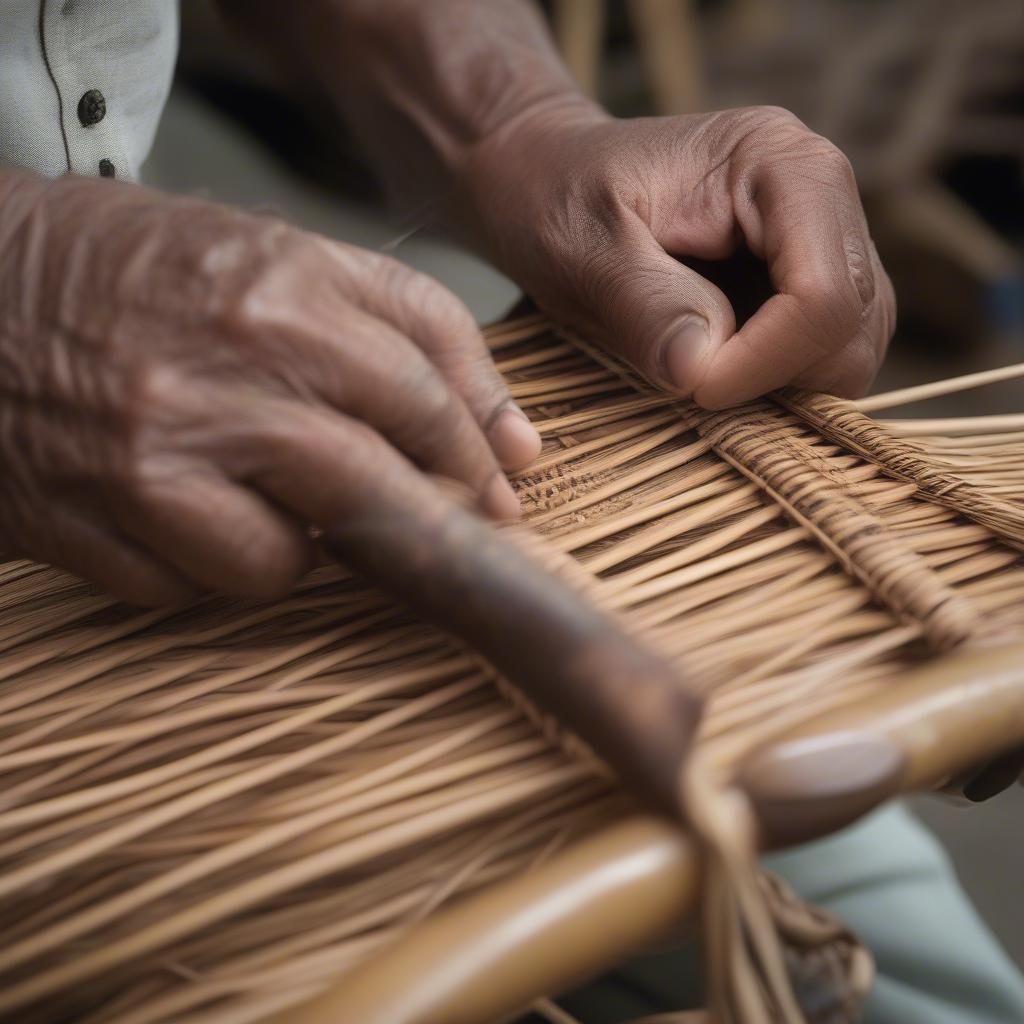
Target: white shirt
x=83, y=82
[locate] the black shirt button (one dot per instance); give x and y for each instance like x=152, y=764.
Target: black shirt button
x=92, y=108
x=106, y=169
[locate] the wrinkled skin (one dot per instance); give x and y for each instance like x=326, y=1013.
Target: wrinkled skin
x=587, y=214
x=185, y=389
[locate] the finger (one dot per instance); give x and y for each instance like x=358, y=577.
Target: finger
x=367, y=370
x=114, y=563
x=321, y=467
x=661, y=317
x=408, y=401
x=804, y=217
x=850, y=371
x=317, y=465
x=390, y=523
x=444, y=329
x=220, y=535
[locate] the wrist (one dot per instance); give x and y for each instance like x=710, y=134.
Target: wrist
x=502, y=169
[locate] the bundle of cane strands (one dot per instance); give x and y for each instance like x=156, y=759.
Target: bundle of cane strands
x=217, y=813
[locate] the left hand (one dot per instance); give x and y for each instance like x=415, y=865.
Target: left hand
x=587, y=214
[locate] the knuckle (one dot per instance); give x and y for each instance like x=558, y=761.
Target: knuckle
x=828, y=157
x=394, y=276
x=270, y=290
x=472, y=375
x=279, y=439
x=154, y=385
x=439, y=428
x=442, y=311
x=243, y=263
x=831, y=305
x=449, y=316
x=396, y=286
x=614, y=194
x=588, y=215
x=144, y=413
x=861, y=271
x=840, y=298
x=264, y=300
x=439, y=314
x=435, y=411
x=250, y=310
x=763, y=125
x=775, y=115
x=832, y=295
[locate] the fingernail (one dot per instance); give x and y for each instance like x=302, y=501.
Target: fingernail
x=499, y=500
x=513, y=438
x=684, y=355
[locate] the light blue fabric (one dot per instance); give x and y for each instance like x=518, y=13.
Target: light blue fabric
x=889, y=880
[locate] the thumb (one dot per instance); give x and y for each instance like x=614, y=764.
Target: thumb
x=660, y=316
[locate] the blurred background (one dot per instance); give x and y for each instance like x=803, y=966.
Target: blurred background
x=926, y=97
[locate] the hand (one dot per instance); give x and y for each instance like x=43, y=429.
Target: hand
x=588, y=213
x=185, y=389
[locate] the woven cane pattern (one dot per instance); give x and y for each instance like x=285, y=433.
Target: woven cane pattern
x=773, y=451
x=843, y=423
x=210, y=814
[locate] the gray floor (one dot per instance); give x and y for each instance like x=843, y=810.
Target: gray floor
x=199, y=152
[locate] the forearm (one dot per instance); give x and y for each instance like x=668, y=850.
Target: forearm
x=422, y=84
x=474, y=121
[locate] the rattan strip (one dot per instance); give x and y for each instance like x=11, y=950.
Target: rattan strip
x=772, y=451
x=921, y=392
x=178, y=762
x=843, y=423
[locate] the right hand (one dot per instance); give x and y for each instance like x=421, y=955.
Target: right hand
x=185, y=389
x=592, y=216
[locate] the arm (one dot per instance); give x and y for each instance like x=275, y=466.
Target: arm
x=473, y=121
x=420, y=84
x=186, y=388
